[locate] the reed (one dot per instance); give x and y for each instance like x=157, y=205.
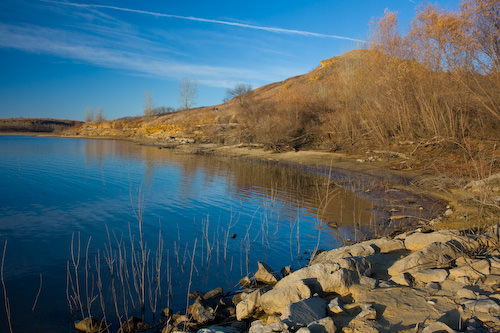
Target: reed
x=4, y=288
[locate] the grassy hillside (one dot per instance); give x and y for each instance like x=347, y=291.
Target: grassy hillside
x=432, y=95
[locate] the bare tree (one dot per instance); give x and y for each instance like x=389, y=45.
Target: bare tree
x=89, y=114
x=99, y=117
x=238, y=91
x=148, y=104
x=187, y=93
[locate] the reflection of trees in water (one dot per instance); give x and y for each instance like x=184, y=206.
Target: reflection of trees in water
x=288, y=186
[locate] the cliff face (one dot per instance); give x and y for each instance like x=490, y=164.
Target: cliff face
x=37, y=125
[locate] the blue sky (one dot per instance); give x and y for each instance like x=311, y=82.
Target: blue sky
x=59, y=57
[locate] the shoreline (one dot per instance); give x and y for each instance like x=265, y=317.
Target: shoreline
x=380, y=168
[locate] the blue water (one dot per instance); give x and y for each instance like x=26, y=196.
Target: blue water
x=53, y=190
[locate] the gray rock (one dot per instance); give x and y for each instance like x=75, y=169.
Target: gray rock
x=419, y=240
x=219, y=329
x=438, y=327
x=304, y=312
x=361, y=249
x=364, y=326
x=474, y=270
x=335, y=306
x=259, y=327
x=484, y=305
x=368, y=281
x=323, y=325
x=430, y=275
x=466, y=293
x=249, y=304
x=330, y=276
x=265, y=274
x=492, y=280
x=404, y=279
x=275, y=300
x=200, y=312
x=386, y=245
x=434, y=255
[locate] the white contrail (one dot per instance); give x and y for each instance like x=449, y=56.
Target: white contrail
x=199, y=19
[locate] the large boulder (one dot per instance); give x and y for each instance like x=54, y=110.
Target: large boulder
x=434, y=255
x=275, y=300
x=330, y=275
x=418, y=240
x=326, y=277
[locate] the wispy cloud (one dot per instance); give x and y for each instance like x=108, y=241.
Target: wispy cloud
x=89, y=49
x=199, y=19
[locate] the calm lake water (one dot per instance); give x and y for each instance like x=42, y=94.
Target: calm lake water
x=99, y=192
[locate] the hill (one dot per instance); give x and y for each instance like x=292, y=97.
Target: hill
x=37, y=125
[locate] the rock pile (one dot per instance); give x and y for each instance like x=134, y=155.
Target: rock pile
x=442, y=281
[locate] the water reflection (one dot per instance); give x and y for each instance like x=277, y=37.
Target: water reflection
x=331, y=205
x=55, y=189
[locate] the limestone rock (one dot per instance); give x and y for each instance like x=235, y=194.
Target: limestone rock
x=324, y=325
x=249, y=304
x=201, y=312
x=430, y=275
x=419, y=240
x=368, y=281
x=404, y=279
x=330, y=276
x=434, y=255
x=386, y=245
x=259, y=327
x=492, y=280
x=474, y=270
x=362, y=326
x=265, y=274
x=90, y=325
x=438, y=327
x=304, y=312
x=275, y=300
x=484, y=305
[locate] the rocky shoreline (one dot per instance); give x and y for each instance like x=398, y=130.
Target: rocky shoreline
x=419, y=281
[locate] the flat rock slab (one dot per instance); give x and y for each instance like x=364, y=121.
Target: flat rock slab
x=401, y=308
x=419, y=240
